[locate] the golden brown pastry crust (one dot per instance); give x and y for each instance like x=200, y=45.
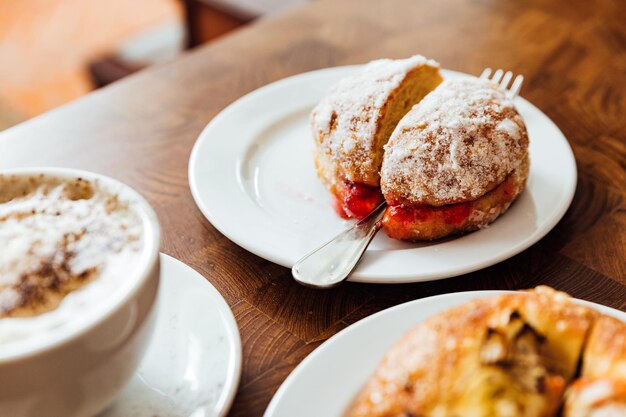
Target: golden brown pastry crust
x=596, y=397
x=605, y=353
x=601, y=390
x=443, y=367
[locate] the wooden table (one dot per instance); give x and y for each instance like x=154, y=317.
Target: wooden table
x=141, y=131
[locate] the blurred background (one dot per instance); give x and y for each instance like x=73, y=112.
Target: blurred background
x=54, y=51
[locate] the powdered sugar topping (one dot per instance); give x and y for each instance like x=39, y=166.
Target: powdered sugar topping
x=345, y=121
x=458, y=143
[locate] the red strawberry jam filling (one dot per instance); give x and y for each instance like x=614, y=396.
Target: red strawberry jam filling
x=454, y=214
x=400, y=221
x=357, y=200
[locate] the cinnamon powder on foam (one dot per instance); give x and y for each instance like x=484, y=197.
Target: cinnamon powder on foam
x=65, y=244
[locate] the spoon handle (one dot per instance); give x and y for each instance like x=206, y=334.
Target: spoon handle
x=332, y=263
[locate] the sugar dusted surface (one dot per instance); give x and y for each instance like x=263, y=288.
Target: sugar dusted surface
x=458, y=143
x=51, y=237
x=345, y=121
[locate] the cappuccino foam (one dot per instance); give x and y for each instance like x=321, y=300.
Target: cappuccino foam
x=65, y=244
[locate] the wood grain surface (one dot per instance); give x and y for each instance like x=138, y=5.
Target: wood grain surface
x=142, y=129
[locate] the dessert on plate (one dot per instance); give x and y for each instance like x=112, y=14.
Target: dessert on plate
x=455, y=162
x=512, y=355
x=354, y=121
x=450, y=157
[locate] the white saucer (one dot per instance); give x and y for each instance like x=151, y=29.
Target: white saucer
x=251, y=173
x=193, y=364
x=325, y=382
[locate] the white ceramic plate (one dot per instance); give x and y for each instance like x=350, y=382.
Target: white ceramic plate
x=193, y=363
x=251, y=173
x=328, y=379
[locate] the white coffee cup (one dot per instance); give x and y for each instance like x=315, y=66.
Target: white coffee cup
x=79, y=369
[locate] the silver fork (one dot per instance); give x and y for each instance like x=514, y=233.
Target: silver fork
x=334, y=261
x=503, y=79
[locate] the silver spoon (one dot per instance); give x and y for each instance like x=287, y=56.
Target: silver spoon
x=332, y=263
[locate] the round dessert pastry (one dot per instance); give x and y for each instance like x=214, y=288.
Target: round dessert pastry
x=511, y=355
x=455, y=162
x=354, y=121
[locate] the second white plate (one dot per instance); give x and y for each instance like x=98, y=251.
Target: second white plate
x=325, y=382
x=251, y=174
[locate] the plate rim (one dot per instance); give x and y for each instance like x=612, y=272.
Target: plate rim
x=397, y=277
x=465, y=297
x=227, y=397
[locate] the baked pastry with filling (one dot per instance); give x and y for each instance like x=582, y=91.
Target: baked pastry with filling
x=455, y=162
x=354, y=121
x=526, y=354
x=505, y=356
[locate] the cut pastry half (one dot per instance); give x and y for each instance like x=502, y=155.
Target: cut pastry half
x=353, y=122
x=455, y=162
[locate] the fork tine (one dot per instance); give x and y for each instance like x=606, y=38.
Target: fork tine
x=497, y=76
x=505, y=81
x=517, y=85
